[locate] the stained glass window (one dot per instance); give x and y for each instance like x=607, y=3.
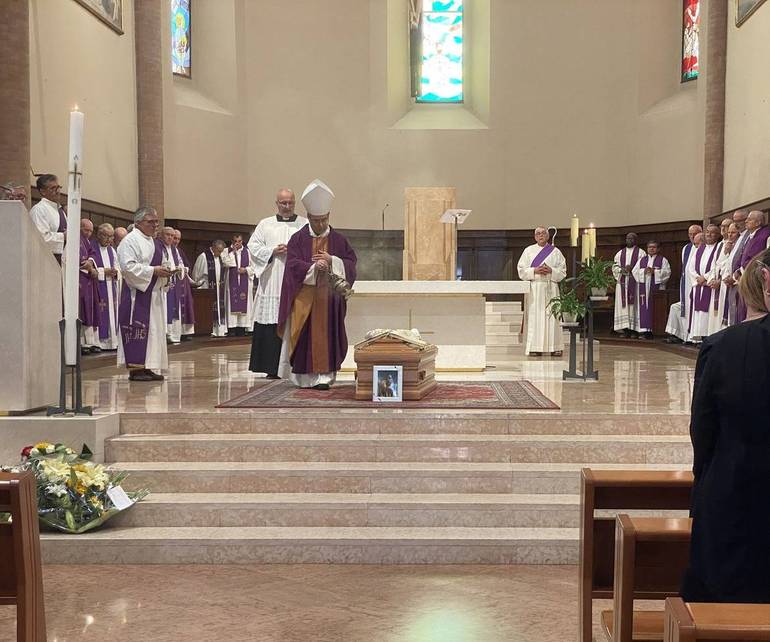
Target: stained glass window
x=180, y=38
x=439, y=31
x=690, y=40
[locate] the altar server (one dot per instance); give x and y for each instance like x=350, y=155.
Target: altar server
x=544, y=266
x=651, y=272
x=267, y=250
x=108, y=287
x=209, y=273
x=142, y=309
x=626, y=318
x=311, y=316
x=701, y=294
x=240, y=273
x=679, y=312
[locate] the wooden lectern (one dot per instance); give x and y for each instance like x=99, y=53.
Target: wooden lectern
x=430, y=246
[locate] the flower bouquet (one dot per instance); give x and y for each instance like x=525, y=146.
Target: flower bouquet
x=74, y=495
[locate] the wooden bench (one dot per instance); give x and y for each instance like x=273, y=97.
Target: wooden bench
x=651, y=556
x=617, y=490
x=698, y=622
x=21, y=576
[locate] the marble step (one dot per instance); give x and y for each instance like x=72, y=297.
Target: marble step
x=288, y=545
x=395, y=422
x=502, y=327
x=500, y=352
x=503, y=306
x=362, y=477
x=638, y=449
x=504, y=317
x=352, y=509
x=508, y=339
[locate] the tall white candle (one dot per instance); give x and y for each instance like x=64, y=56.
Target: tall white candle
x=574, y=230
x=592, y=236
x=72, y=247
x=586, y=246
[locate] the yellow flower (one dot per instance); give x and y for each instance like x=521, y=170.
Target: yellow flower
x=91, y=475
x=55, y=469
x=42, y=445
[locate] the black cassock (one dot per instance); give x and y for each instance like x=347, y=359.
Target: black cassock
x=730, y=432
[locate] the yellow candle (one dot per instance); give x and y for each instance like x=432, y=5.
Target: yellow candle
x=574, y=231
x=586, y=248
x=592, y=236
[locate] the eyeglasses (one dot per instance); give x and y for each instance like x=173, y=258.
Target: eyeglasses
x=286, y=203
x=52, y=187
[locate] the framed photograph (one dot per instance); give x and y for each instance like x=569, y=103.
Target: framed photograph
x=744, y=9
x=387, y=383
x=108, y=11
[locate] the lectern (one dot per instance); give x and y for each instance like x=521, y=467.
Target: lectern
x=430, y=246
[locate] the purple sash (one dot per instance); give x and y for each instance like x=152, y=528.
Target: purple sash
x=62, y=220
x=646, y=302
x=628, y=283
x=683, y=279
x=218, y=310
x=701, y=294
x=542, y=255
x=88, y=297
x=180, y=295
x=101, y=286
x=135, y=328
x=239, y=284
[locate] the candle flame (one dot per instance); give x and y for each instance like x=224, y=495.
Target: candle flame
x=75, y=108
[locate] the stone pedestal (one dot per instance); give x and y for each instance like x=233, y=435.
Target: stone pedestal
x=31, y=296
x=430, y=246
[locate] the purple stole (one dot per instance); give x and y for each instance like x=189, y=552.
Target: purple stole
x=62, y=220
x=542, y=255
x=755, y=246
x=181, y=293
x=212, y=274
x=88, y=295
x=628, y=283
x=135, y=324
x=683, y=279
x=701, y=294
x=239, y=284
x=645, y=302
x=101, y=286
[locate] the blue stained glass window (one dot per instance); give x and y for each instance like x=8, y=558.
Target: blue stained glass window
x=180, y=38
x=441, y=64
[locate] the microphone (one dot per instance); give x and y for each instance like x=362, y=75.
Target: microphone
x=387, y=205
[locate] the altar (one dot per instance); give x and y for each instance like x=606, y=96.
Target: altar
x=449, y=314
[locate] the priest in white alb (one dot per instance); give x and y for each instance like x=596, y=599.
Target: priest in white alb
x=652, y=272
x=48, y=216
x=142, y=309
x=267, y=251
x=208, y=273
x=544, y=266
x=719, y=310
x=626, y=319
x=678, y=323
x=108, y=288
x=239, y=284
x=699, y=270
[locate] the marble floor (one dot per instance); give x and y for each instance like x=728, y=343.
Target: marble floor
x=632, y=380
x=308, y=603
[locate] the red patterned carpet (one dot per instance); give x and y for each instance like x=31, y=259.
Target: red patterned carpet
x=495, y=395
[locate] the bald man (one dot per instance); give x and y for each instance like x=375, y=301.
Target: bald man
x=88, y=296
x=679, y=313
x=120, y=234
x=757, y=241
x=544, y=266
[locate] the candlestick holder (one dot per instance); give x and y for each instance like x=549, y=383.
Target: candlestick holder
x=77, y=381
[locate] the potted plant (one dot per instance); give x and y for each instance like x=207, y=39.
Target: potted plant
x=596, y=275
x=567, y=307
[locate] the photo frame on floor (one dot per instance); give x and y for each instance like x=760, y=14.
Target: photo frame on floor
x=387, y=383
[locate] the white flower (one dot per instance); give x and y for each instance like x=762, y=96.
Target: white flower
x=59, y=490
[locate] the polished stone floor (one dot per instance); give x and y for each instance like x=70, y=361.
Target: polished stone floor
x=633, y=379
x=308, y=603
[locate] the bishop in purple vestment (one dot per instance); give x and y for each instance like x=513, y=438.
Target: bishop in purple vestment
x=758, y=235
x=311, y=317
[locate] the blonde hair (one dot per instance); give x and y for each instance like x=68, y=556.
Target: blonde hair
x=752, y=283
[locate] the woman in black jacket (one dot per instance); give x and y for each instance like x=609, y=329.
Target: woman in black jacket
x=730, y=432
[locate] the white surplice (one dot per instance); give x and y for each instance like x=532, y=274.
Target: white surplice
x=626, y=316
x=269, y=234
x=134, y=255
x=544, y=332
x=200, y=276
x=721, y=270
x=112, y=341
x=699, y=321
x=45, y=216
x=284, y=364
x=662, y=275
x=234, y=259
x=679, y=320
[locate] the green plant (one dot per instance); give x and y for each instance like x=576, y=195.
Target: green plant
x=567, y=303
x=597, y=273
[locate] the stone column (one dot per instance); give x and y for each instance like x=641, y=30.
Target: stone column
x=148, y=43
x=14, y=95
x=716, y=68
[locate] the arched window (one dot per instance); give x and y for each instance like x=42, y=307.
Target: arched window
x=436, y=43
x=181, y=63
x=690, y=40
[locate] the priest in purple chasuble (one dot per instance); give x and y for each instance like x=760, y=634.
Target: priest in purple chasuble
x=239, y=285
x=544, y=266
x=108, y=287
x=208, y=273
x=679, y=312
x=758, y=240
x=87, y=293
x=627, y=289
x=311, y=316
x=142, y=308
x=651, y=272
x=701, y=294
x=180, y=309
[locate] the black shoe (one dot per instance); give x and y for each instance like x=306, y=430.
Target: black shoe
x=321, y=386
x=186, y=337
x=154, y=376
x=140, y=375
x=648, y=336
x=85, y=351
x=95, y=349
x=272, y=376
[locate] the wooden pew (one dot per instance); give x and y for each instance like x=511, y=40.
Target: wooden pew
x=699, y=622
x=21, y=576
x=616, y=490
x=651, y=556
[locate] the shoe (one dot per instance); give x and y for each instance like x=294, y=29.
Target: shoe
x=154, y=376
x=186, y=337
x=85, y=351
x=272, y=376
x=140, y=375
x=95, y=349
x=648, y=336
x=535, y=354
x=321, y=386
x=558, y=353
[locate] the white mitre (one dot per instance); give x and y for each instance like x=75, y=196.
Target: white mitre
x=317, y=198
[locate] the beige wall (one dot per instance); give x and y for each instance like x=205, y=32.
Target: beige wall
x=747, y=110
x=577, y=106
x=76, y=59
